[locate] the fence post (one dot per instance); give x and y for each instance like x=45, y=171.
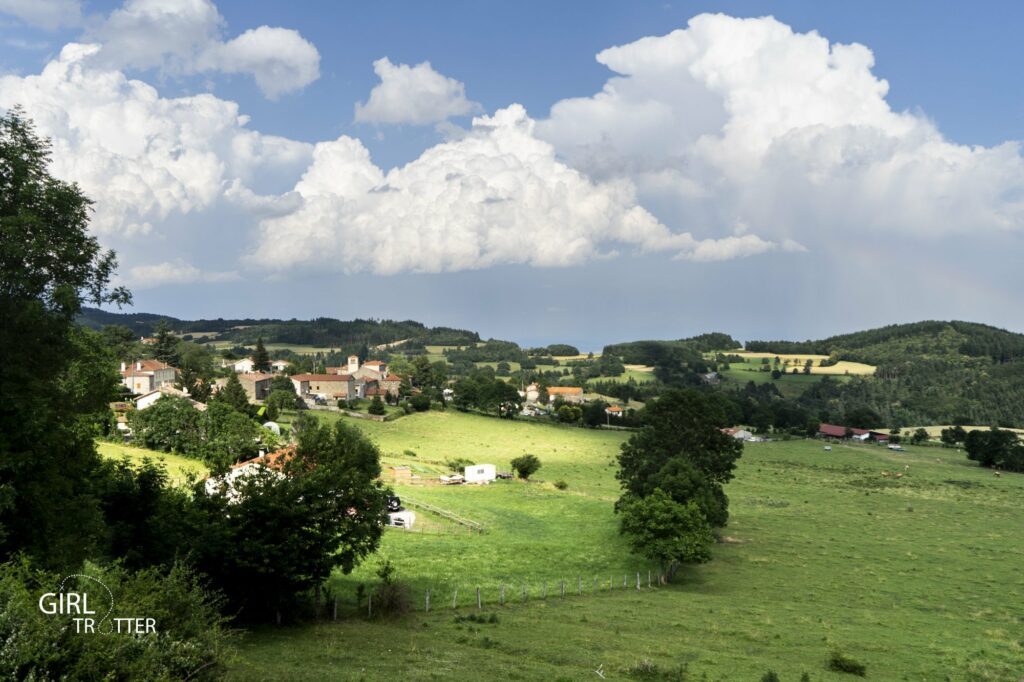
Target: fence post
x=428, y=602
x=502, y=599
x=638, y=581
x=563, y=589
x=579, y=585
x=335, y=617
x=625, y=584
x=544, y=596
x=455, y=597
x=595, y=584
x=611, y=584
x=479, y=604
x=648, y=578
x=369, y=605
x=524, y=593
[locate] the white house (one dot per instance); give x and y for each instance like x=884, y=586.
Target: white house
x=480, y=474
x=243, y=365
x=279, y=365
x=147, y=400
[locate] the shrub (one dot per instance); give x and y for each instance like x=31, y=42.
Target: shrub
x=410, y=453
x=525, y=466
x=841, y=663
x=561, y=485
x=191, y=640
x=376, y=406
x=391, y=598
x=770, y=676
x=420, y=403
x=458, y=464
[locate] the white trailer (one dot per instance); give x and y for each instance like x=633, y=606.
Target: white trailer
x=481, y=474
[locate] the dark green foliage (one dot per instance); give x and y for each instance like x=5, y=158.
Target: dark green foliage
x=525, y=466
x=377, y=408
x=192, y=641
x=770, y=676
x=562, y=349
x=954, y=435
x=276, y=536
x=166, y=347
x=491, y=351
x=561, y=485
x=322, y=331
x=420, y=403
x=260, y=357
x=841, y=663
x=666, y=531
x=920, y=436
x=49, y=266
x=997, y=449
x=648, y=671
x=682, y=450
x=480, y=390
x=233, y=394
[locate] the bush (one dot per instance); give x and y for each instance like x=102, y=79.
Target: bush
x=770, y=676
x=376, y=406
x=459, y=464
x=648, y=670
x=525, y=466
x=191, y=640
x=410, y=453
x=391, y=598
x=561, y=485
x=841, y=663
x=420, y=403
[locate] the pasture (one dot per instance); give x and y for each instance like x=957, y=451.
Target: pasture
x=178, y=467
x=843, y=367
x=917, y=577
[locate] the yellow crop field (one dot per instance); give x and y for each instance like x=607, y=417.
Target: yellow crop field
x=842, y=367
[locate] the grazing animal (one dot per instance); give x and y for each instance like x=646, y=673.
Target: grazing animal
x=899, y=475
x=997, y=474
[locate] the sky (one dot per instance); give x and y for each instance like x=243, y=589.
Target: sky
x=581, y=172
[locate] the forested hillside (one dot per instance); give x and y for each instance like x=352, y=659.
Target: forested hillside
x=322, y=331
x=928, y=372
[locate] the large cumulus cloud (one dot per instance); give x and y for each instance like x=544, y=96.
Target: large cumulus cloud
x=735, y=124
x=498, y=195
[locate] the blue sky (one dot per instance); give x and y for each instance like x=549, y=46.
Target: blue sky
x=794, y=196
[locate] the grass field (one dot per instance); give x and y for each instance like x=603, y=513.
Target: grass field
x=178, y=467
x=918, y=578
x=935, y=431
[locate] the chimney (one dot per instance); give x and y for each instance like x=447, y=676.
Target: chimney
x=138, y=365
x=123, y=368
x=353, y=364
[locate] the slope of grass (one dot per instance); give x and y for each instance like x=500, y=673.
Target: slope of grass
x=917, y=577
x=178, y=467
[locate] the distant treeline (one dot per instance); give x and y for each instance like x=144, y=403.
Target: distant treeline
x=654, y=352
x=321, y=331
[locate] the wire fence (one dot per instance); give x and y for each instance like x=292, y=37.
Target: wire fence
x=469, y=524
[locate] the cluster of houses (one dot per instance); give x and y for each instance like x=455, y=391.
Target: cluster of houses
x=150, y=380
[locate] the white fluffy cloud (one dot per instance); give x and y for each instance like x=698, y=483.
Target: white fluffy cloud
x=142, y=157
x=496, y=196
x=744, y=122
x=185, y=37
x=47, y=14
x=413, y=94
x=174, y=272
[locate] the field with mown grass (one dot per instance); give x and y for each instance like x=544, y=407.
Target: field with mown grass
x=178, y=467
x=843, y=367
x=918, y=578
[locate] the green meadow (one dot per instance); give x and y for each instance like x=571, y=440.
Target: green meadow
x=178, y=467
x=918, y=578
x=790, y=385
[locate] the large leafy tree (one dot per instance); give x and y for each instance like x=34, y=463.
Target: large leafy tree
x=279, y=534
x=49, y=266
x=682, y=450
x=668, y=532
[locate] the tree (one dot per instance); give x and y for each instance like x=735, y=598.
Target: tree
x=376, y=406
x=283, y=533
x=233, y=394
x=525, y=466
x=121, y=341
x=863, y=417
x=920, y=436
x=166, y=347
x=682, y=439
x=666, y=531
x=260, y=358
x=49, y=267
x=954, y=435
x=171, y=424
x=995, y=448
x=196, y=371
x=280, y=400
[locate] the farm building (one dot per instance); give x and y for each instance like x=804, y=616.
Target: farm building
x=570, y=394
x=480, y=473
x=836, y=431
x=147, y=400
x=400, y=473
x=738, y=433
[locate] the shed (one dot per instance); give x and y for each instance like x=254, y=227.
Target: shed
x=480, y=473
x=402, y=519
x=400, y=473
